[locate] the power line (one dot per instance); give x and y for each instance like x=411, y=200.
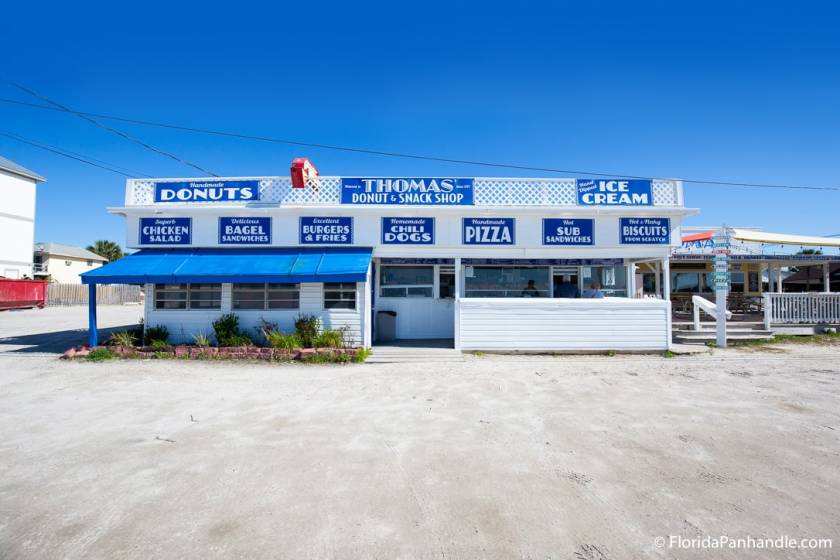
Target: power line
x=112, y=130
x=413, y=156
x=106, y=167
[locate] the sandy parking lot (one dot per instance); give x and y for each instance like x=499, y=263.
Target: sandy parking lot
x=497, y=457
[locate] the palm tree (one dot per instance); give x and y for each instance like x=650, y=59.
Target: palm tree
x=107, y=249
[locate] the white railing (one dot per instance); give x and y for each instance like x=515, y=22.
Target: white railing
x=702, y=304
x=811, y=308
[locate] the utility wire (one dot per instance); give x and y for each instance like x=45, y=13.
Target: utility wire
x=53, y=149
x=120, y=133
x=413, y=156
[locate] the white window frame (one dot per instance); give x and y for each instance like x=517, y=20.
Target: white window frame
x=405, y=287
x=325, y=289
x=189, y=289
x=293, y=288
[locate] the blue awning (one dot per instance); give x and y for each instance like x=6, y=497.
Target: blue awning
x=281, y=265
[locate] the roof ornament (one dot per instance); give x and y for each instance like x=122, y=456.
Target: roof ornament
x=304, y=172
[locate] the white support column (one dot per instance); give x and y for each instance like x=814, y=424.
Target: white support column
x=367, y=310
x=631, y=280
x=666, y=279
x=779, y=278
x=657, y=274
x=826, y=278
x=457, y=306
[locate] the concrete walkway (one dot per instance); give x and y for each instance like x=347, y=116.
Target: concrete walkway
x=53, y=330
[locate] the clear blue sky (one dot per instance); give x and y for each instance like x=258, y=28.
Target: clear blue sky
x=742, y=91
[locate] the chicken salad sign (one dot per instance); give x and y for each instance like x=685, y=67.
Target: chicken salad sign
x=614, y=192
x=407, y=191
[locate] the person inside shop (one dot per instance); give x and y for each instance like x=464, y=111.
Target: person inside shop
x=531, y=290
x=594, y=291
x=566, y=289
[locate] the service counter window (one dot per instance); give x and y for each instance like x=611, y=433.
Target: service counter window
x=613, y=279
x=407, y=281
x=506, y=281
x=266, y=296
x=340, y=295
x=685, y=282
x=188, y=296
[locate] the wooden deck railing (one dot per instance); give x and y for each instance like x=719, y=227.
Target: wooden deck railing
x=810, y=308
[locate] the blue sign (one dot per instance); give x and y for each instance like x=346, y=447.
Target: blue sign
x=489, y=231
x=165, y=231
x=614, y=192
x=207, y=191
x=645, y=231
x=568, y=231
x=322, y=230
x=407, y=191
x=408, y=231
x=245, y=231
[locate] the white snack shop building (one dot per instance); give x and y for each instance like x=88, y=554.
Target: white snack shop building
x=511, y=264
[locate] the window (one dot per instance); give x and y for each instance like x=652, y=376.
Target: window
x=613, y=279
x=685, y=282
x=171, y=296
x=188, y=296
x=266, y=296
x=446, y=282
x=205, y=296
x=506, y=281
x=406, y=281
x=90, y=263
x=340, y=295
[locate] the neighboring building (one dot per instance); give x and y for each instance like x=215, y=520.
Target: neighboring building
x=17, y=219
x=487, y=262
x=63, y=263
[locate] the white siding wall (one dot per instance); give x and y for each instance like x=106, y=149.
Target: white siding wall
x=543, y=324
x=63, y=273
x=17, y=225
x=182, y=324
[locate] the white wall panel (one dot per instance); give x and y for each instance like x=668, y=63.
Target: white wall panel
x=558, y=324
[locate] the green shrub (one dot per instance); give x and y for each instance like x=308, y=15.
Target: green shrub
x=158, y=332
x=306, y=329
x=276, y=339
x=361, y=355
x=667, y=354
x=240, y=339
x=159, y=345
x=100, y=355
x=201, y=340
x=330, y=338
x=123, y=338
x=162, y=355
x=226, y=327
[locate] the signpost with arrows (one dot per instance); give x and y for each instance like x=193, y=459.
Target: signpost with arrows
x=721, y=250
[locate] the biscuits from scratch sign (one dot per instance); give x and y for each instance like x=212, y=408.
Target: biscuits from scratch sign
x=407, y=191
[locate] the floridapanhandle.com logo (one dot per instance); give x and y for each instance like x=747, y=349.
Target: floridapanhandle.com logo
x=709, y=542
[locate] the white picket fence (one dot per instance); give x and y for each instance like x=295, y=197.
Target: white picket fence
x=77, y=294
x=810, y=308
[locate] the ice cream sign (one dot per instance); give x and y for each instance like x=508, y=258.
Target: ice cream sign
x=614, y=192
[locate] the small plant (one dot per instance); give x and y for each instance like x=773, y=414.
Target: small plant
x=161, y=355
x=100, y=355
x=240, y=339
x=202, y=340
x=478, y=354
x=711, y=344
x=667, y=354
x=123, y=338
x=159, y=332
x=276, y=339
x=159, y=345
x=610, y=353
x=361, y=355
x=306, y=328
x=330, y=338
x=327, y=358
x=226, y=327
